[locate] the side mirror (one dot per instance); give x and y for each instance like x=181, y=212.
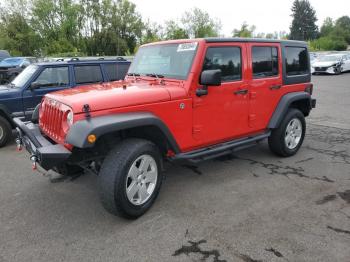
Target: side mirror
x=23, y=66
x=34, y=85
x=209, y=78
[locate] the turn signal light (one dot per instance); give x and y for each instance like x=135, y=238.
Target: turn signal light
x=91, y=139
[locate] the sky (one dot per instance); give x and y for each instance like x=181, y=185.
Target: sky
x=267, y=15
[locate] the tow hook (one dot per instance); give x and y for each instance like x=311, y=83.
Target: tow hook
x=19, y=144
x=34, y=160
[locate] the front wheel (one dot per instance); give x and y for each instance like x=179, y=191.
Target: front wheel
x=130, y=178
x=289, y=136
x=5, y=131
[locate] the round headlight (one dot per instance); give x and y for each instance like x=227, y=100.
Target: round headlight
x=70, y=118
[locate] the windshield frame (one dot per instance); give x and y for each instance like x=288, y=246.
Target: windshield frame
x=161, y=75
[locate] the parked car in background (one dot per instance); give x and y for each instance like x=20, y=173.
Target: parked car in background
x=4, y=54
x=336, y=64
x=20, y=97
x=12, y=66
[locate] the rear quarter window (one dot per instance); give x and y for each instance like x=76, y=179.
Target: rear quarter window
x=87, y=74
x=116, y=71
x=297, y=61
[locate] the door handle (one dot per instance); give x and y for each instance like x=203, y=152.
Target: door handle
x=275, y=87
x=241, y=92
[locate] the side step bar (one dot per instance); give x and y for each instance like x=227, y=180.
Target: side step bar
x=220, y=149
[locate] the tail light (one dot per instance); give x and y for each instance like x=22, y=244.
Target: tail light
x=309, y=88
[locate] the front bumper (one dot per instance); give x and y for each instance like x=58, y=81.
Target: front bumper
x=42, y=151
x=325, y=70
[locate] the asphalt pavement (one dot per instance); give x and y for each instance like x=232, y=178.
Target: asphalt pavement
x=250, y=207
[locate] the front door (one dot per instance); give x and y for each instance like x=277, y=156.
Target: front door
x=51, y=79
x=221, y=115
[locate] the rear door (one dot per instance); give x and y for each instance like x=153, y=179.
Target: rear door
x=87, y=74
x=222, y=113
x=265, y=82
x=50, y=79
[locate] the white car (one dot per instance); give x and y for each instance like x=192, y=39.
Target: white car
x=331, y=64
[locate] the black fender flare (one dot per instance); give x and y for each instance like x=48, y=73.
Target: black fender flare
x=6, y=113
x=99, y=126
x=284, y=105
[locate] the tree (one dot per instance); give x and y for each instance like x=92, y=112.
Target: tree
x=245, y=31
x=174, y=31
x=342, y=27
x=327, y=27
x=198, y=23
x=17, y=35
x=304, y=21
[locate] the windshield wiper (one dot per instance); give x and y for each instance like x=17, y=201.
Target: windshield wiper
x=12, y=85
x=155, y=75
x=133, y=74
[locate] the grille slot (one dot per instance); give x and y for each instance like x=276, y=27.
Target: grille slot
x=51, y=122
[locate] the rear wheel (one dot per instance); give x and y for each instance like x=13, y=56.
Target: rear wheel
x=130, y=178
x=5, y=131
x=288, y=137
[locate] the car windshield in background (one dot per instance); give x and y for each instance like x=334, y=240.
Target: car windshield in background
x=329, y=58
x=11, y=62
x=24, y=76
x=166, y=60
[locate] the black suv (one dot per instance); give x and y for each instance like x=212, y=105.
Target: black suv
x=20, y=97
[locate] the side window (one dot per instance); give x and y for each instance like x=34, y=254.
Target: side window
x=53, y=77
x=116, y=71
x=297, y=62
x=265, y=61
x=228, y=59
x=87, y=74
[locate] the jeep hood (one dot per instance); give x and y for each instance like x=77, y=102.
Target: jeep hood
x=112, y=95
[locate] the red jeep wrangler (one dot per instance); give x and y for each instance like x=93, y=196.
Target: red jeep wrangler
x=185, y=100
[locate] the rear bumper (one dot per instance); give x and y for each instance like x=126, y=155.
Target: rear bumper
x=313, y=103
x=41, y=150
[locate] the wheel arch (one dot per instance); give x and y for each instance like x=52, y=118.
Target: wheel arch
x=139, y=125
x=5, y=113
x=297, y=100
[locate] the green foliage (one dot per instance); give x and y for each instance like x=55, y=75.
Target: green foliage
x=174, y=31
x=244, y=31
x=304, y=21
x=327, y=43
x=197, y=23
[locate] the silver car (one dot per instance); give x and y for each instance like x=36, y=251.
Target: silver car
x=331, y=64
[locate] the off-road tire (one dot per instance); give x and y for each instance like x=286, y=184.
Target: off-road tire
x=5, y=132
x=277, y=141
x=112, y=178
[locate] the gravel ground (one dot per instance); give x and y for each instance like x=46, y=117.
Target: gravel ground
x=251, y=206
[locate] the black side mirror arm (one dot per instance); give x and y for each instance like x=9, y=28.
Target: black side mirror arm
x=202, y=91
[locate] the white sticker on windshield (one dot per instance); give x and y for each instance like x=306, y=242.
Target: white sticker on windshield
x=187, y=47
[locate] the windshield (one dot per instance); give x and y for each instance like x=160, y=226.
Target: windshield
x=329, y=58
x=165, y=60
x=11, y=62
x=24, y=76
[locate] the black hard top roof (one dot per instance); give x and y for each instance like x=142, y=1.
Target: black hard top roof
x=253, y=40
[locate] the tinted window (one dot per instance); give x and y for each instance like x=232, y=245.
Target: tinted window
x=53, y=77
x=297, y=62
x=87, y=74
x=116, y=71
x=265, y=61
x=228, y=59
